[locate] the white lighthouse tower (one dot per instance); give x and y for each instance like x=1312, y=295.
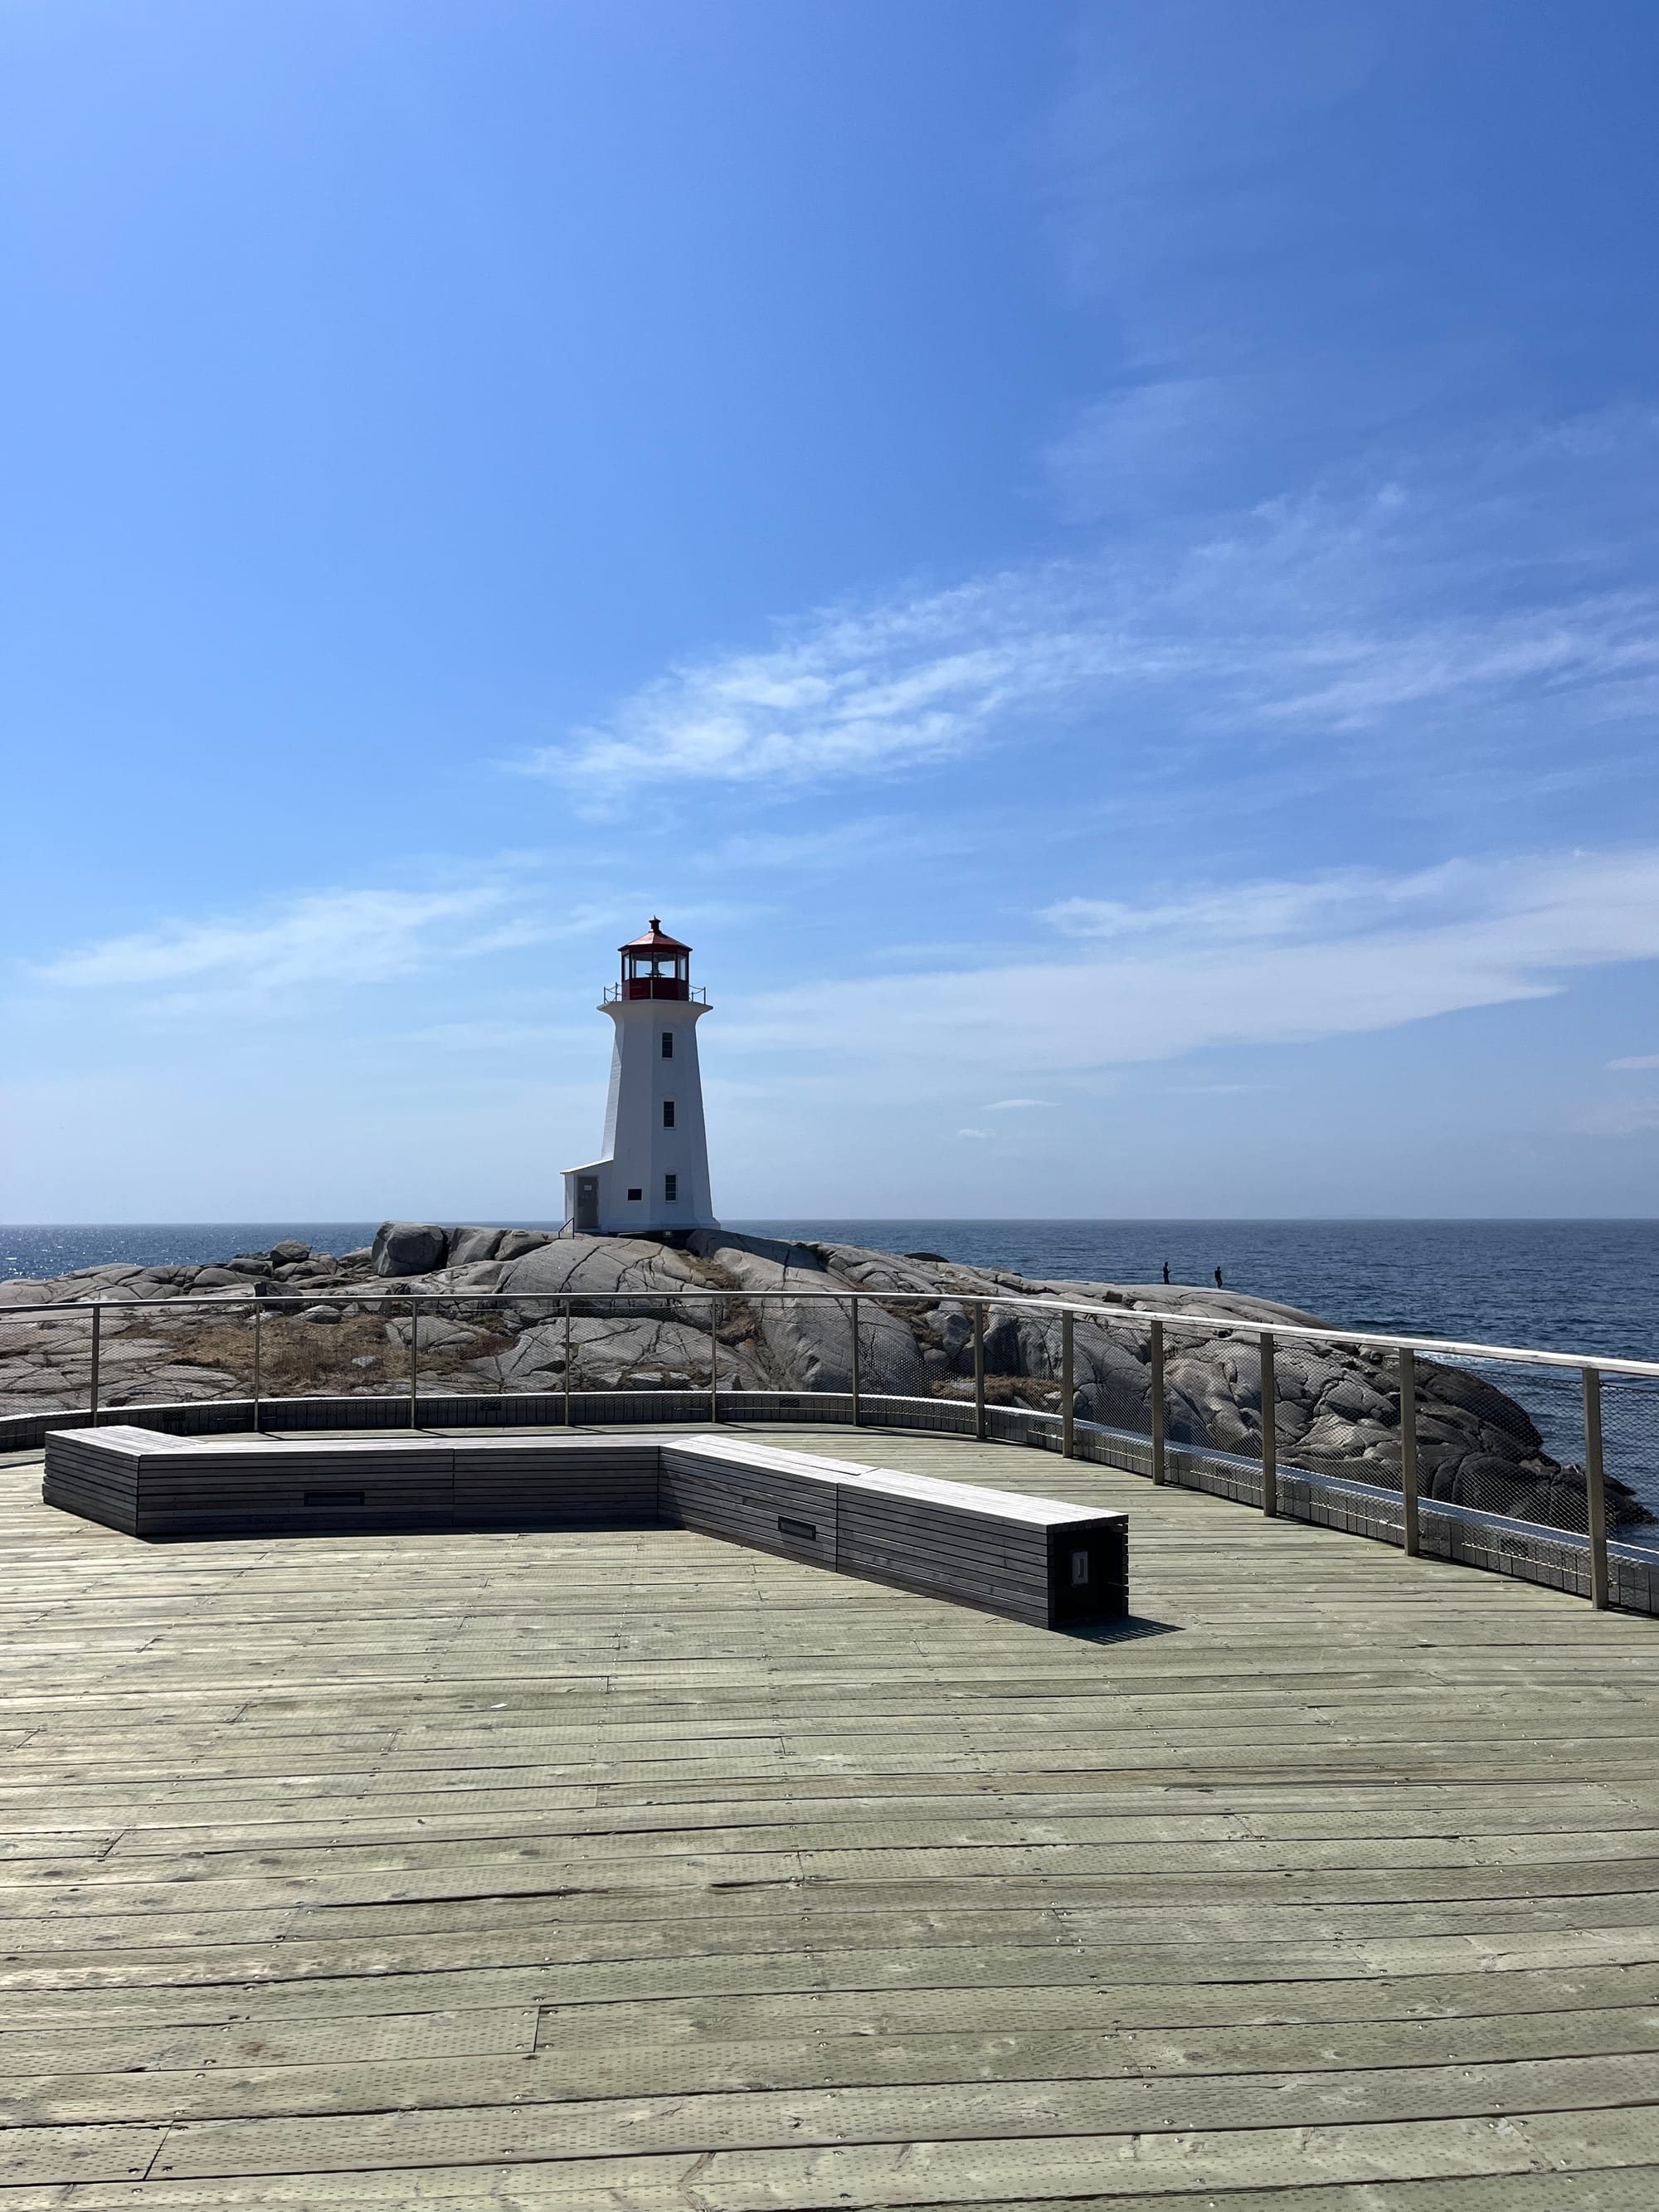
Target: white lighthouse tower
x=654, y=1174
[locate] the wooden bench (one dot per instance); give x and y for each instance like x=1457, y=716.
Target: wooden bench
x=1035, y=1559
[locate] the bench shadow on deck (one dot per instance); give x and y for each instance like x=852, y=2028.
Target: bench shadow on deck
x=630, y=1868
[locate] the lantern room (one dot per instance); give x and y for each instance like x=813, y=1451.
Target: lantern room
x=656, y=966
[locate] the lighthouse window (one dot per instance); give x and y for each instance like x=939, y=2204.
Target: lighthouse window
x=670, y=1190
x=636, y=1194
x=668, y=1113
x=668, y=1044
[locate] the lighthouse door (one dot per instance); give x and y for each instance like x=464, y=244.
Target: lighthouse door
x=588, y=1206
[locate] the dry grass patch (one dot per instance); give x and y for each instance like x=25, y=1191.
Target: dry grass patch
x=303, y=1358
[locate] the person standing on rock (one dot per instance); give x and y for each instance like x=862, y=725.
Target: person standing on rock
x=1166, y=1270
x=1219, y=1285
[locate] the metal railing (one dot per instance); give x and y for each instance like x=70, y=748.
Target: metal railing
x=664, y=989
x=1409, y=1440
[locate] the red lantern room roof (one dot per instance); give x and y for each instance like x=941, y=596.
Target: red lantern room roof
x=654, y=939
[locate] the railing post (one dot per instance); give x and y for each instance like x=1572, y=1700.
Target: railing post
x=979, y=1370
x=567, y=1363
x=1408, y=1448
x=1595, y=1497
x=1269, y=1427
x=1067, y=1389
x=1160, y=1470
x=97, y=1346
x=258, y=1367
x=858, y=1375
x=414, y=1364
x=713, y=1362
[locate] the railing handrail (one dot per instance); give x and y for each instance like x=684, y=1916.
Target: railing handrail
x=378, y=1290
x=696, y=994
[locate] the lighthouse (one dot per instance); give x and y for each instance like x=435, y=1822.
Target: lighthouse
x=654, y=1174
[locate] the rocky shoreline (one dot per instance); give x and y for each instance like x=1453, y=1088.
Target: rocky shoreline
x=337, y=1325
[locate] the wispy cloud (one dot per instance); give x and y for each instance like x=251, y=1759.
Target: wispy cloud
x=319, y=940
x=1643, y=1061
x=845, y=692
x=973, y=1132
x=1007, y=1105
x=351, y=937
x=1429, y=607
x=1485, y=934
x=1334, y=903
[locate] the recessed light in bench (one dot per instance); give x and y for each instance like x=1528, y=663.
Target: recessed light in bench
x=789, y=1528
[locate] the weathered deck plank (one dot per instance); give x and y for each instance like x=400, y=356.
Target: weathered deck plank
x=624, y=1867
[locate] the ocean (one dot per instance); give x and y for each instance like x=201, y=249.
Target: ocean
x=1588, y=1286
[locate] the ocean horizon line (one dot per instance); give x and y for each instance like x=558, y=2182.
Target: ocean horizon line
x=759, y=1220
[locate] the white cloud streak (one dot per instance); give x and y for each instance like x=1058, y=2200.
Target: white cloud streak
x=1412, y=607
x=327, y=937
x=847, y=693
x=319, y=940
x=1477, y=935
x=1329, y=905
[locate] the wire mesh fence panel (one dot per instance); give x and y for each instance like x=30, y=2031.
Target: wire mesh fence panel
x=925, y=1348
x=663, y=1347
x=773, y=1343
x=902, y=1350
x=184, y=1353
x=1021, y=1356
x=1495, y=1436
x=1210, y=1402
x=1024, y=1349
x=1630, y=1449
x=1481, y=1440
x=46, y=1360
x=308, y=1352
x=458, y=1347
x=1337, y=1411
x=1112, y=1393
x=917, y=1367
x=1111, y=1374
x=514, y=1348
x=939, y=1349
x=1212, y=1395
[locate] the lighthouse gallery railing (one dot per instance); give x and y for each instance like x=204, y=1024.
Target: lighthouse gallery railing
x=285, y=1372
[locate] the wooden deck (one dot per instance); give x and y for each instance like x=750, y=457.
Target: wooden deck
x=635, y=1870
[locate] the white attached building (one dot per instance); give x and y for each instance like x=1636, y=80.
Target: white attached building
x=654, y=1174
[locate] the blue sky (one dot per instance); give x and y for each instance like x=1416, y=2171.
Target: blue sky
x=1098, y=561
